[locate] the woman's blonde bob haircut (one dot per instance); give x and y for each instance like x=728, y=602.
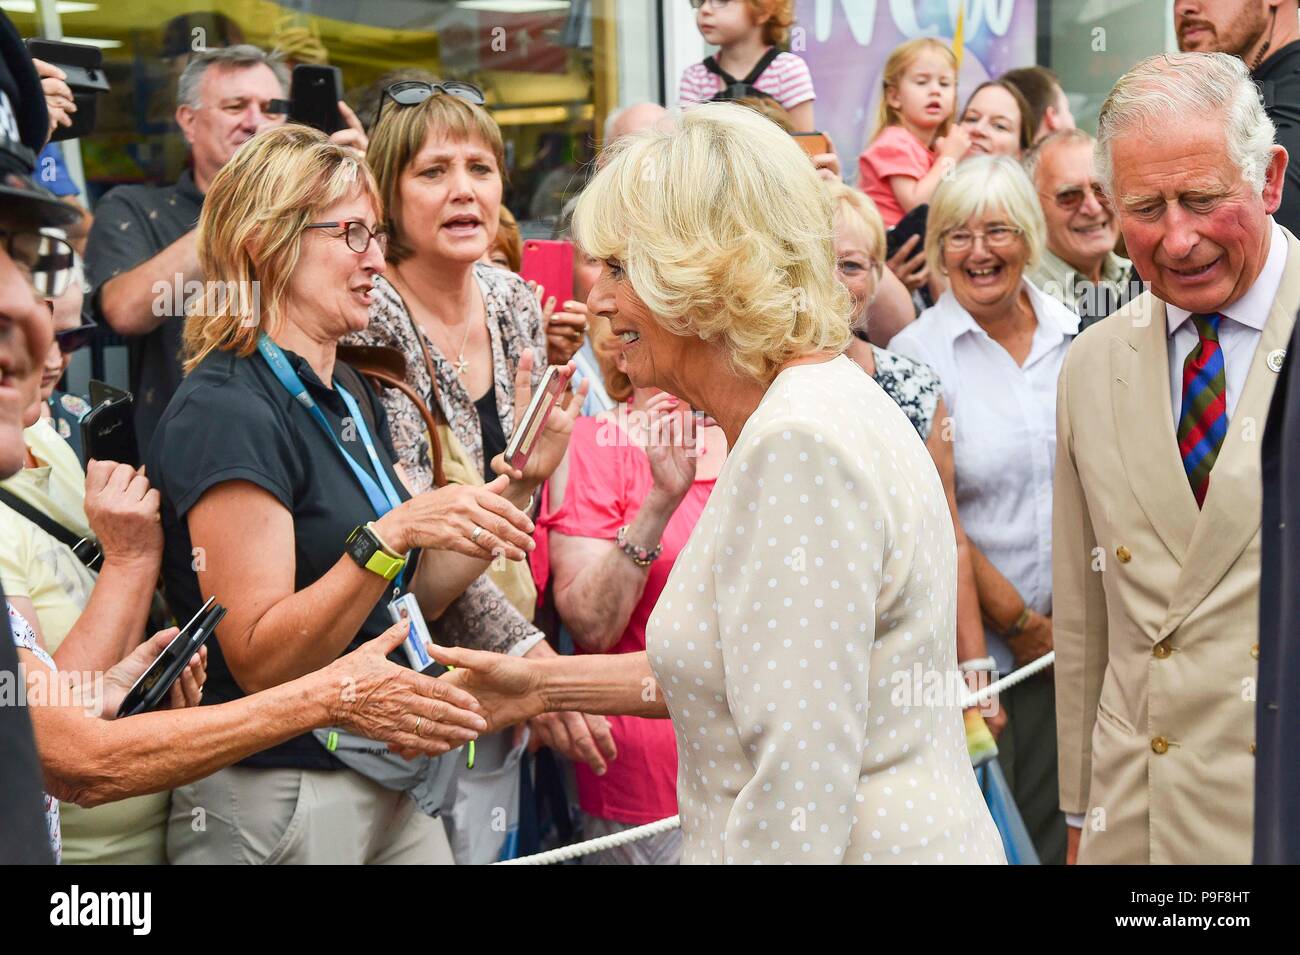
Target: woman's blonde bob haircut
x=854, y=209
x=992, y=186
x=251, y=228
x=400, y=133
x=725, y=232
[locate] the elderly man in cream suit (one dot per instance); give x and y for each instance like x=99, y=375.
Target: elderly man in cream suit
x=1160, y=416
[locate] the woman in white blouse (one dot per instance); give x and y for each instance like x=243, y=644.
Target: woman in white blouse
x=997, y=343
x=817, y=592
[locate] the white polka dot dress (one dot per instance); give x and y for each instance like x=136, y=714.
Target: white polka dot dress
x=806, y=643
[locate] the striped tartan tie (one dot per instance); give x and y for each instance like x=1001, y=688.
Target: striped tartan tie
x=1204, y=419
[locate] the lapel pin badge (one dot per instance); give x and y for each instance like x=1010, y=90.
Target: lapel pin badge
x=1275, y=359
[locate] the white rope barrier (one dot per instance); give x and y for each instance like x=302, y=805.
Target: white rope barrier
x=601, y=843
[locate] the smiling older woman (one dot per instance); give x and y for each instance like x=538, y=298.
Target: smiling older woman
x=997, y=343
x=822, y=569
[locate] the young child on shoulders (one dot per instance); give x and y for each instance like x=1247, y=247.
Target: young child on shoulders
x=916, y=141
x=748, y=34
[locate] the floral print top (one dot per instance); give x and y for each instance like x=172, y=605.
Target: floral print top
x=914, y=387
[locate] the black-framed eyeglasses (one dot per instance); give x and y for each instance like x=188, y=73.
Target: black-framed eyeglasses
x=356, y=234
x=415, y=92
x=75, y=339
x=46, y=260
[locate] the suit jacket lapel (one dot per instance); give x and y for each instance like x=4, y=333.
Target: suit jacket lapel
x=1231, y=514
x=1144, y=423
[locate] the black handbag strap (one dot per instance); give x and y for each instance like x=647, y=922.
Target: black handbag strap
x=711, y=64
x=86, y=549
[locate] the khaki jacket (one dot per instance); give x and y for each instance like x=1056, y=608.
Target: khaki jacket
x=1155, y=603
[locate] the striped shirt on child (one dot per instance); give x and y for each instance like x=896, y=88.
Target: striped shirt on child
x=786, y=80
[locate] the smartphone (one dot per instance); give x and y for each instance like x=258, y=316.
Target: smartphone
x=814, y=144
x=83, y=65
x=108, y=428
x=156, y=681
x=911, y=224
x=407, y=608
x=548, y=392
x=314, y=94
x=550, y=265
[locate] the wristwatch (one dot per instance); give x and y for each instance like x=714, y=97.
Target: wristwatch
x=369, y=551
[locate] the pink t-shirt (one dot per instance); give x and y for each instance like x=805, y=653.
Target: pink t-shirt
x=786, y=80
x=609, y=477
x=895, y=152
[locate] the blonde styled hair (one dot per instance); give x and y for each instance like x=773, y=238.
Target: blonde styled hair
x=399, y=134
x=854, y=208
x=899, y=62
x=980, y=186
x=725, y=231
x=250, y=232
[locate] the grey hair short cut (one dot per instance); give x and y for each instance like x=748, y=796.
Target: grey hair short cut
x=1187, y=87
x=230, y=57
x=1034, y=156
x=981, y=186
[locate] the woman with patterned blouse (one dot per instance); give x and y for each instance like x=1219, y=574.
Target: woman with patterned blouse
x=859, y=254
x=478, y=330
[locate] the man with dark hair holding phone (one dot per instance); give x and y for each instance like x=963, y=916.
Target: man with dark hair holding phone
x=142, y=252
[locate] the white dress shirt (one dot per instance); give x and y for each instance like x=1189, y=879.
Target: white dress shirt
x=1239, y=332
x=1004, y=437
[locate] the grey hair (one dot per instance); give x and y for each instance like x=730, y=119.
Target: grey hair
x=1186, y=88
x=1034, y=155
x=230, y=57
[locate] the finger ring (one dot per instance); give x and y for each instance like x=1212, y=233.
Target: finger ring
x=419, y=722
x=474, y=534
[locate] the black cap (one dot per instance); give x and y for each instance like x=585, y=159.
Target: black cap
x=24, y=124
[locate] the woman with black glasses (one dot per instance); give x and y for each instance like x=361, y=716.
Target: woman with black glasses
x=281, y=497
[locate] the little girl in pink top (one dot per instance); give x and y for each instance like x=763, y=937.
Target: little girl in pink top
x=915, y=141
x=748, y=34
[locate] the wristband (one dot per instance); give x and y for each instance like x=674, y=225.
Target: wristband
x=1019, y=625
x=978, y=665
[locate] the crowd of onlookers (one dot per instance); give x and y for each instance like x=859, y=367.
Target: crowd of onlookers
x=310, y=449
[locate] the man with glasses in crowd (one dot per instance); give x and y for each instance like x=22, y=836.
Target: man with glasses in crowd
x=143, y=250
x=1079, y=267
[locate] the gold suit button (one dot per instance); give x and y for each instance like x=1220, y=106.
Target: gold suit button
x=1252, y=749
x=1162, y=650
x=1123, y=553
x=1160, y=745
x=1254, y=651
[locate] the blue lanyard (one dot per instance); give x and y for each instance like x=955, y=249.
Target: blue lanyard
x=383, y=496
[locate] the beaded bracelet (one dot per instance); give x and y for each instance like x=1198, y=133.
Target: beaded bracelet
x=641, y=556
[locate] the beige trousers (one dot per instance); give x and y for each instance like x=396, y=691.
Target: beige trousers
x=299, y=817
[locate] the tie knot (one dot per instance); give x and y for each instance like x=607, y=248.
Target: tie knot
x=1207, y=326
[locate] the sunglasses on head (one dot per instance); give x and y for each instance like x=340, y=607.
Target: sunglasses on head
x=75, y=339
x=415, y=92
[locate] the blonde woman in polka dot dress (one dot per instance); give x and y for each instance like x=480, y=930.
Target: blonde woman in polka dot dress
x=804, y=645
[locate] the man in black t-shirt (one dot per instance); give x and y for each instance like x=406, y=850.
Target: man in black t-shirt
x=25, y=337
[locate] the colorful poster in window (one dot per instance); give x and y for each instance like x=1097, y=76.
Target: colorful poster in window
x=846, y=42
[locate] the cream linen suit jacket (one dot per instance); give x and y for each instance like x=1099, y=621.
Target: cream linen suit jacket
x=1155, y=603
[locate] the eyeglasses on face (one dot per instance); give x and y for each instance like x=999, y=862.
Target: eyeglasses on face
x=356, y=234
x=711, y=4
x=1071, y=197
x=995, y=237
x=46, y=261
x=75, y=339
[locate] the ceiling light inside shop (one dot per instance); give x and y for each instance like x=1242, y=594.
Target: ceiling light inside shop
x=63, y=6
x=514, y=6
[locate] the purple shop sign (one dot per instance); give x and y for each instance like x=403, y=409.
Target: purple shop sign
x=845, y=44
